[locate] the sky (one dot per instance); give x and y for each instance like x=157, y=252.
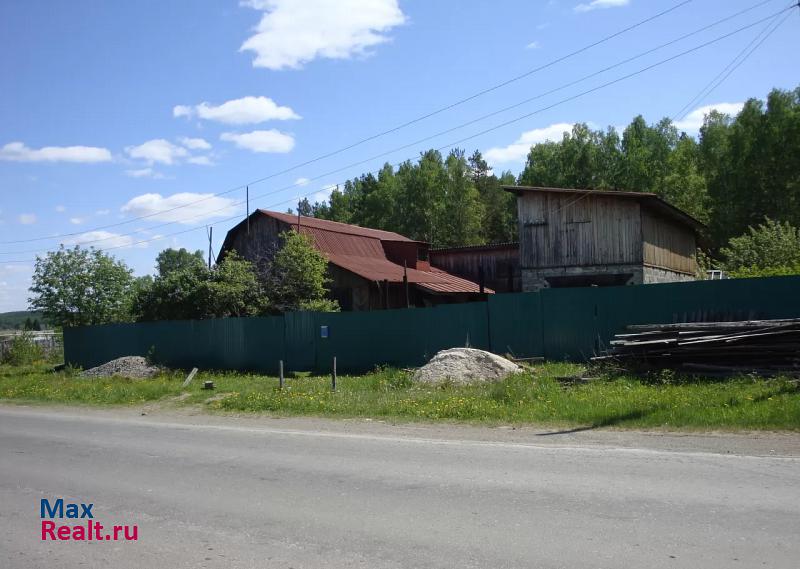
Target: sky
x=132, y=126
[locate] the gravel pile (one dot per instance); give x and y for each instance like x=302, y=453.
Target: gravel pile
x=135, y=367
x=465, y=366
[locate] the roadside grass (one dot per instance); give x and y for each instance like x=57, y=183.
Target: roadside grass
x=533, y=397
x=38, y=383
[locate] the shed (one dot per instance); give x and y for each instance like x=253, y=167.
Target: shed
x=574, y=237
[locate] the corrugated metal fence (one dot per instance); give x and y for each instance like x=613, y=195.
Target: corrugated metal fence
x=564, y=324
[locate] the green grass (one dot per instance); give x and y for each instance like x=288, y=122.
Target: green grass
x=534, y=397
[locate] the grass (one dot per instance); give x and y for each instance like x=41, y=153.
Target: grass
x=534, y=397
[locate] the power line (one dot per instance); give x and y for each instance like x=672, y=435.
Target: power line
x=439, y=133
x=388, y=131
x=741, y=57
x=454, y=143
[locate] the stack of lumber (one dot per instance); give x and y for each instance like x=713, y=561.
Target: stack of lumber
x=764, y=347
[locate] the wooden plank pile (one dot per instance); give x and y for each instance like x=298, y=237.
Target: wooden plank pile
x=763, y=347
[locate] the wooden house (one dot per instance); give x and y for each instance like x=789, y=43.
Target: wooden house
x=574, y=238
x=370, y=269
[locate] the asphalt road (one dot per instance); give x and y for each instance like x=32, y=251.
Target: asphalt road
x=211, y=492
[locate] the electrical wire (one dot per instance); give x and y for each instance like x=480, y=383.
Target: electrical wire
x=390, y=130
x=741, y=57
x=485, y=131
x=435, y=135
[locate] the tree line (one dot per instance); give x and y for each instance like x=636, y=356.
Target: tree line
x=740, y=172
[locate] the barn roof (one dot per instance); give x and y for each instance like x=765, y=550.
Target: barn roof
x=649, y=200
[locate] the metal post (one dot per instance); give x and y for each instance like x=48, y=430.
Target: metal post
x=405, y=283
x=280, y=374
x=210, y=238
x=333, y=375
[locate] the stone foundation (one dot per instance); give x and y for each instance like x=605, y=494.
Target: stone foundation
x=653, y=275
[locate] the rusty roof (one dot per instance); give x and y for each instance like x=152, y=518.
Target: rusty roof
x=335, y=226
x=649, y=199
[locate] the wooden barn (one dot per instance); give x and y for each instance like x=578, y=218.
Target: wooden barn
x=572, y=238
x=495, y=265
x=370, y=269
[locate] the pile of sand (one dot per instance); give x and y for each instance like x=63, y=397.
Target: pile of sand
x=464, y=366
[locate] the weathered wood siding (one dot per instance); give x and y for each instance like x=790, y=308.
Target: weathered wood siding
x=568, y=230
x=500, y=265
x=263, y=241
x=667, y=245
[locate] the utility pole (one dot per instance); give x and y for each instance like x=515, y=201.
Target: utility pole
x=248, y=209
x=210, y=231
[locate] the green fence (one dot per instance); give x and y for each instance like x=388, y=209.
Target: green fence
x=563, y=324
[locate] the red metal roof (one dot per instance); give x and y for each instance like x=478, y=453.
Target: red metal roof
x=359, y=250
x=335, y=226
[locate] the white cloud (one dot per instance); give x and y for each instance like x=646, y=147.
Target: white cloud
x=144, y=173
x=61, y=209
x=18, y=152
x=694, y=120
x=157, y=150
x=106, y=240
x=102, y=212
x=518, y=150
x=261, y=140
x=195, y=143
x=200, y=160
x=77, y=220
x=247, y=110
x=595, y=4
x=533, y=45
x=191, y=207
x=302, y=182
x=27, y=218
x=291, y=34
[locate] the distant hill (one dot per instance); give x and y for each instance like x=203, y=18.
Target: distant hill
x=16, y=320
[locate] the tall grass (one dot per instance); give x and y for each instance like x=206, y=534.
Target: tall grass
x=533, y=397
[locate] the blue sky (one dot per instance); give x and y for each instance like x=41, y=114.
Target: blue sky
x=111, y=111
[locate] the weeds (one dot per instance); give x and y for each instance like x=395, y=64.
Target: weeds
x=533, y=396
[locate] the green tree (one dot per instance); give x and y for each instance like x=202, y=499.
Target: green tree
x=297, y=276
x=304, y=208
x=752, y=164
x=234, y=289
x=172, y=260
x=175, y=295
x=772, y=248
x=78, y=287
x=462, y=211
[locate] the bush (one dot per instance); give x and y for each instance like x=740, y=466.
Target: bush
x=22, y=350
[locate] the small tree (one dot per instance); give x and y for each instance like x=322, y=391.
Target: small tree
x=297, y=277
x=772, y=248
x=78, y=287
x=234, y=289
x=176, y=295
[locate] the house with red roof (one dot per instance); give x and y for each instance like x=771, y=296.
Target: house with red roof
x=370, y=269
